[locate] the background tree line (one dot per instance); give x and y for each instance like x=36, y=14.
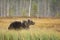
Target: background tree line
x=30, y=8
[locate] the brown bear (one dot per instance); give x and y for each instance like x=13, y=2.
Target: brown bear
x=19, y=25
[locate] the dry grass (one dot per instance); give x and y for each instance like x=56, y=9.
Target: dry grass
x=44, y=29
x=39, y=22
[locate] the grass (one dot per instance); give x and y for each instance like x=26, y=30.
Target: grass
x=44, y=29
x=29, y=35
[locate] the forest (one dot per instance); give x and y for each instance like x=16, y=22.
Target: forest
x=30, y=8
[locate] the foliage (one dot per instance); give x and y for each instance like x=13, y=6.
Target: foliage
x=23, y=12
x=11, y=11
x=58, y=15
x=54, y=1
x=29, y=35
x=34, y=9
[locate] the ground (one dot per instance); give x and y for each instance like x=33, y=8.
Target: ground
x=40, y=23
x=44, y=29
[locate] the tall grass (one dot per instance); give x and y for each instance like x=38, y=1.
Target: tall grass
x=37, y=31
x=29, y=35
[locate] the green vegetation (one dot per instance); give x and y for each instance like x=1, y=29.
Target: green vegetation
x=29, y=35
x=58, y=15
x=11, y=11
x=34, y=9
x=24, y=12
x=54, y=1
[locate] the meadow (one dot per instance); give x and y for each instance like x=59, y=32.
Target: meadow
x=44, y=29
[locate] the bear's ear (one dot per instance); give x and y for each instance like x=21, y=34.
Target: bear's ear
x=29, y=20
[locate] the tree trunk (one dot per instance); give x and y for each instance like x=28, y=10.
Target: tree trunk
x=30, y=7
